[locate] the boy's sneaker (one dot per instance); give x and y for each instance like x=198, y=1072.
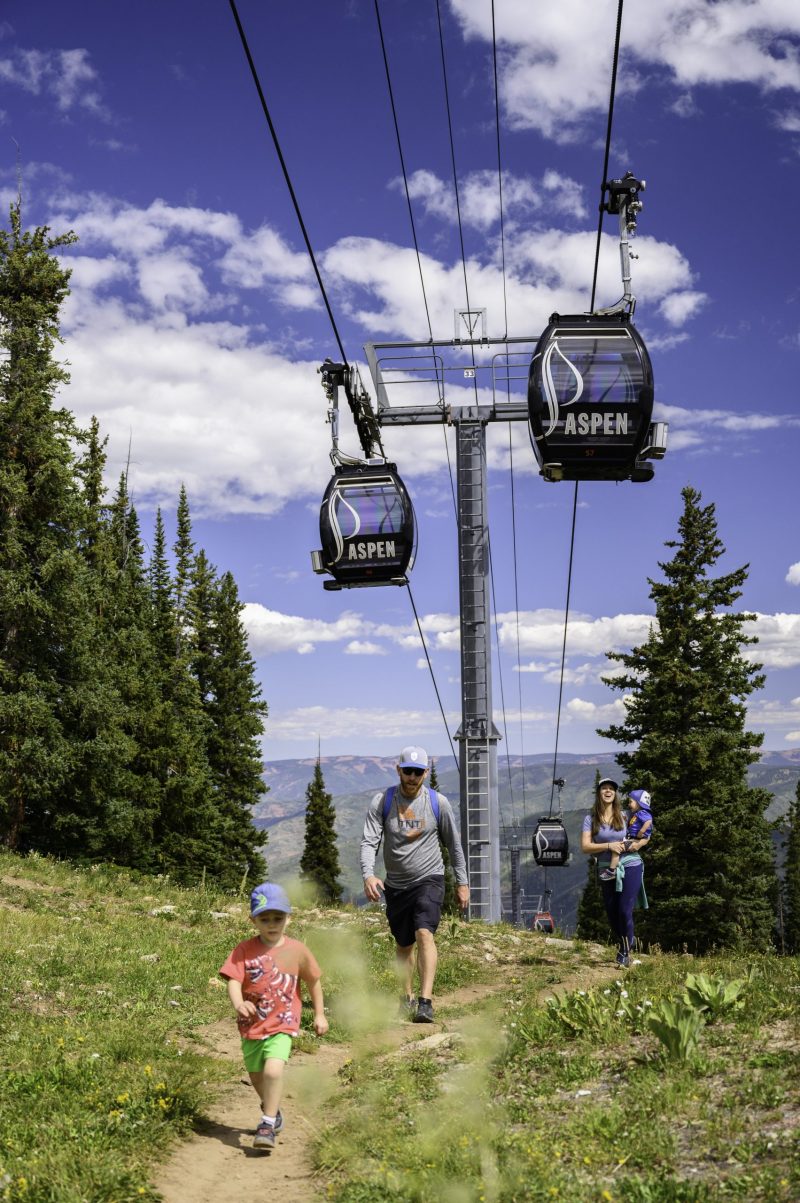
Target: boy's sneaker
x=623, y=960
x=607, y=874
x=424, y=1011
x=278, y=1123
x=264, y=1138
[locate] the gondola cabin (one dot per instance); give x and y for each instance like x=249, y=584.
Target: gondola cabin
x=550, y=845
x=590, y=400
x=543, y=921
x=366, y=524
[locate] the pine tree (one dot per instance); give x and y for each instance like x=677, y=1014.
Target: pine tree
x=709, y=874
x=319, y=863
x=43, y=578
x=133, y=816
x=235, y=711
x=188, y=836
x=791, y=881
x=450, y=904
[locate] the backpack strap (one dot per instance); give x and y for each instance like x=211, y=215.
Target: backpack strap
x=388, y=799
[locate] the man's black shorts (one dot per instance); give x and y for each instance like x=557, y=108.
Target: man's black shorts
x=417, y=906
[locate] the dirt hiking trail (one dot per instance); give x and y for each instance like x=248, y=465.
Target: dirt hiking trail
x=217, y=1164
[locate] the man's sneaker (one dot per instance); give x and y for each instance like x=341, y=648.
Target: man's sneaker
x=408, y=1007
x=278, y=1123
x=623, y=960
x=265, y=1137
x=424, y=1011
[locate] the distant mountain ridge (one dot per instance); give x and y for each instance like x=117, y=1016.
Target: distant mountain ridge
x=525, y=789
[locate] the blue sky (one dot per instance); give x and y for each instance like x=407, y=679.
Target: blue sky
x=195, y=327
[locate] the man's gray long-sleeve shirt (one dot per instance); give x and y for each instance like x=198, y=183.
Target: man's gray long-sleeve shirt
x=411, y=842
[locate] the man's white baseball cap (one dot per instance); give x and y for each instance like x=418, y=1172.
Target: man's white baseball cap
x=413, y=757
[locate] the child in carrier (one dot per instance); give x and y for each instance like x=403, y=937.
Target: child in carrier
x=640, y=827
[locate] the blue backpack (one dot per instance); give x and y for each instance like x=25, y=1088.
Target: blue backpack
x=389, y=799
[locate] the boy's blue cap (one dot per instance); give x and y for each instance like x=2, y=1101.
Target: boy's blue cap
x=642, y=796
x=269, y=897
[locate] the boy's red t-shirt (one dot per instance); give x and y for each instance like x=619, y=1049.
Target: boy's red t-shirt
x=271, y=979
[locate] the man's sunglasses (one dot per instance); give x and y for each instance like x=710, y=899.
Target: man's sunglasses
x=413, y=772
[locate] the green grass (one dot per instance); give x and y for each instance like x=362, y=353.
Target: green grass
x=105, y=996
x=580, y=1101
x=107, y=981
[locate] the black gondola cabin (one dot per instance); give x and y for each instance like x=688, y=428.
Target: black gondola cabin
x=590, y=399
x=550, y=845
x=366, y=524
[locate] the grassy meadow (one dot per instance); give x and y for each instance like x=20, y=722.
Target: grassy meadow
x=677, y=1083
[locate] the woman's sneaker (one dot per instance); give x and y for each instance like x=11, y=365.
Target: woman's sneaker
x=264, y=1138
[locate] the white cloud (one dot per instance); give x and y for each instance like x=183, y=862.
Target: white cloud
x=553, y=79
x=364, y=647
x=479, y=196
x=793, y=575
x=792, y=737
x=270, y=632
x=159, y=338
x=541, y=632
x=681, y=306
x=778, y=640
x=66, y=76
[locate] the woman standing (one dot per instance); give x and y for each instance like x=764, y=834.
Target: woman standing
x=603, y=834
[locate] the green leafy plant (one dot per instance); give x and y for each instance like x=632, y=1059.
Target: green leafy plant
x=678, y=1026
x=711, y=995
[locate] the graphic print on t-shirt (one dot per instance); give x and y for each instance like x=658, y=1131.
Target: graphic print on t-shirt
x=409, y=826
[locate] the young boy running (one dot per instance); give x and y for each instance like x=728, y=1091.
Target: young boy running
x=263, y=976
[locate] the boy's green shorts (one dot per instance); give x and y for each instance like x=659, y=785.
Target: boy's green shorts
x=256, y=1052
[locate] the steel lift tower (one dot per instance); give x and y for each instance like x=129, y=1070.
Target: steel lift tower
x=465, y=383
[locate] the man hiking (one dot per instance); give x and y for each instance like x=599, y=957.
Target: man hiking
x=410, y=819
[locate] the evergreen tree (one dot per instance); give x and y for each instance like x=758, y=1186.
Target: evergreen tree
x=791, y=881
x=188, y=837
x=591, y=920
x=133, y=815
x=450, y=904
x=319, y=863
x=235, y=711
x=44, y=637
x=709, y=875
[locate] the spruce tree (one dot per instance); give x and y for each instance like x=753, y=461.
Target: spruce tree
x=234, y=709
x=709, y=875
x=791, y=880
x=133, y=816
x=188, y=838
x=44, y=638
x=319, y=863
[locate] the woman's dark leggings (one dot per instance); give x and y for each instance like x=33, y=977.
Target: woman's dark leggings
x=619, y=906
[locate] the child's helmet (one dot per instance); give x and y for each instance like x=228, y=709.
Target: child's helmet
x=642, y=797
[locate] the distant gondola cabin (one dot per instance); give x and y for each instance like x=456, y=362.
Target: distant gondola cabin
x=367, y=528
x=590, y=399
